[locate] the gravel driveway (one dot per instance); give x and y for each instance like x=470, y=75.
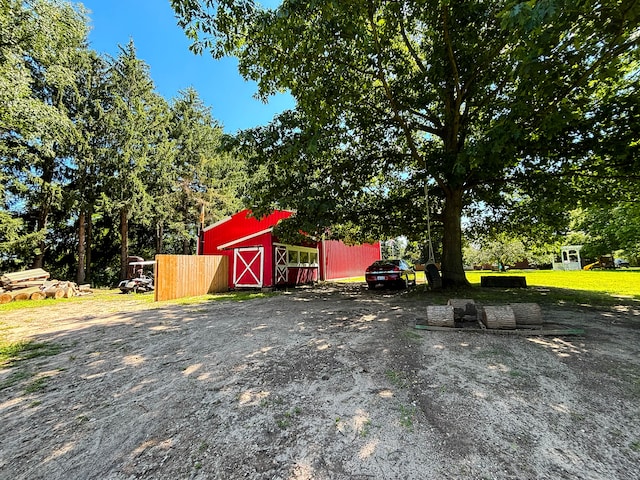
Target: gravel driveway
x=330, y=382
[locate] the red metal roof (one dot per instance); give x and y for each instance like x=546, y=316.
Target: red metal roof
x=239, y=227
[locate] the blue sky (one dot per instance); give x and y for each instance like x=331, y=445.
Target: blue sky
x=164, y=47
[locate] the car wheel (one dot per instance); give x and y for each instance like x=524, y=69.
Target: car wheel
x=402, y=283
x=371, y=286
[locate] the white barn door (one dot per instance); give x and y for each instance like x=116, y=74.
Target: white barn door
x=282, y=270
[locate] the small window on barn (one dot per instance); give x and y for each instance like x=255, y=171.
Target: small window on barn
x=302, y=257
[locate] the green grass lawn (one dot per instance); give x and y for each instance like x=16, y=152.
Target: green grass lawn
x=614, y=282
x=623, y=283
x=591, y=289
x=598, y=288
x=114, y=296
x=101, y=295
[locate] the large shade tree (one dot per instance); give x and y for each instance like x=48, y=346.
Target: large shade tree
x=395, y=95
x=89, y=154
x=610, y=229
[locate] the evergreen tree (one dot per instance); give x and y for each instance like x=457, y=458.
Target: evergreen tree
x=207, y=179
x=40, y=47
x=135, y=117
x=88, y=182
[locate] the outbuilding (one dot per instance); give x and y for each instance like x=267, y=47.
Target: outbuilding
x=258, y=259
x=569, y=258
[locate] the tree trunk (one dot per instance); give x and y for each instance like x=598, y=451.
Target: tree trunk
x=186, y=241
x=42, y=222
x=452, y=266
x=38, y=259
x=124, y=242
x=88, y=244
x=159, y=238
x=46, y=200
x=80, y=272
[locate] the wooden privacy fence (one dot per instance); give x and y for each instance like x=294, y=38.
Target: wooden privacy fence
x=178, y=276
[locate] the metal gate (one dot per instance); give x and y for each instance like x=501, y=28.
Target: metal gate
x=281, y=269
x=248, y=267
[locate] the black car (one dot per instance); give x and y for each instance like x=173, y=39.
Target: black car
x=397, y=273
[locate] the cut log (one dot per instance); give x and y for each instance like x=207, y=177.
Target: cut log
x=54, y=292
x=23, y=294
x=69, y=290
x=527, y=313
x=39, y=295
x=501, y=317
x=463, y=307
x=5, y=297
x=440, y=315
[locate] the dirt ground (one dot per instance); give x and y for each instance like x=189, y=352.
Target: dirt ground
x=329, y=382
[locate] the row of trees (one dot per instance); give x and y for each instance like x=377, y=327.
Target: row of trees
x=95, y=163
x=613, y=229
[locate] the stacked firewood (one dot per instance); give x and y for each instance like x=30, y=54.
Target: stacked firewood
x=35, y=285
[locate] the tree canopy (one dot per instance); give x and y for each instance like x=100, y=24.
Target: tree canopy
x=478, y=102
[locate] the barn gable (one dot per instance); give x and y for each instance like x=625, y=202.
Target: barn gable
x=239, y=226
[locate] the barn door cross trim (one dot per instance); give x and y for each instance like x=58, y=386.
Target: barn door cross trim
x=281, y=265
x=248, y=264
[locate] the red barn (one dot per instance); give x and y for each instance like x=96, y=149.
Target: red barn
x=258, y=259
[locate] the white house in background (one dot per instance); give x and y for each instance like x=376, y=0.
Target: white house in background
x=569, y=258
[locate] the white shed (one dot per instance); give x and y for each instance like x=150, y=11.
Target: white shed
x=569, y=258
